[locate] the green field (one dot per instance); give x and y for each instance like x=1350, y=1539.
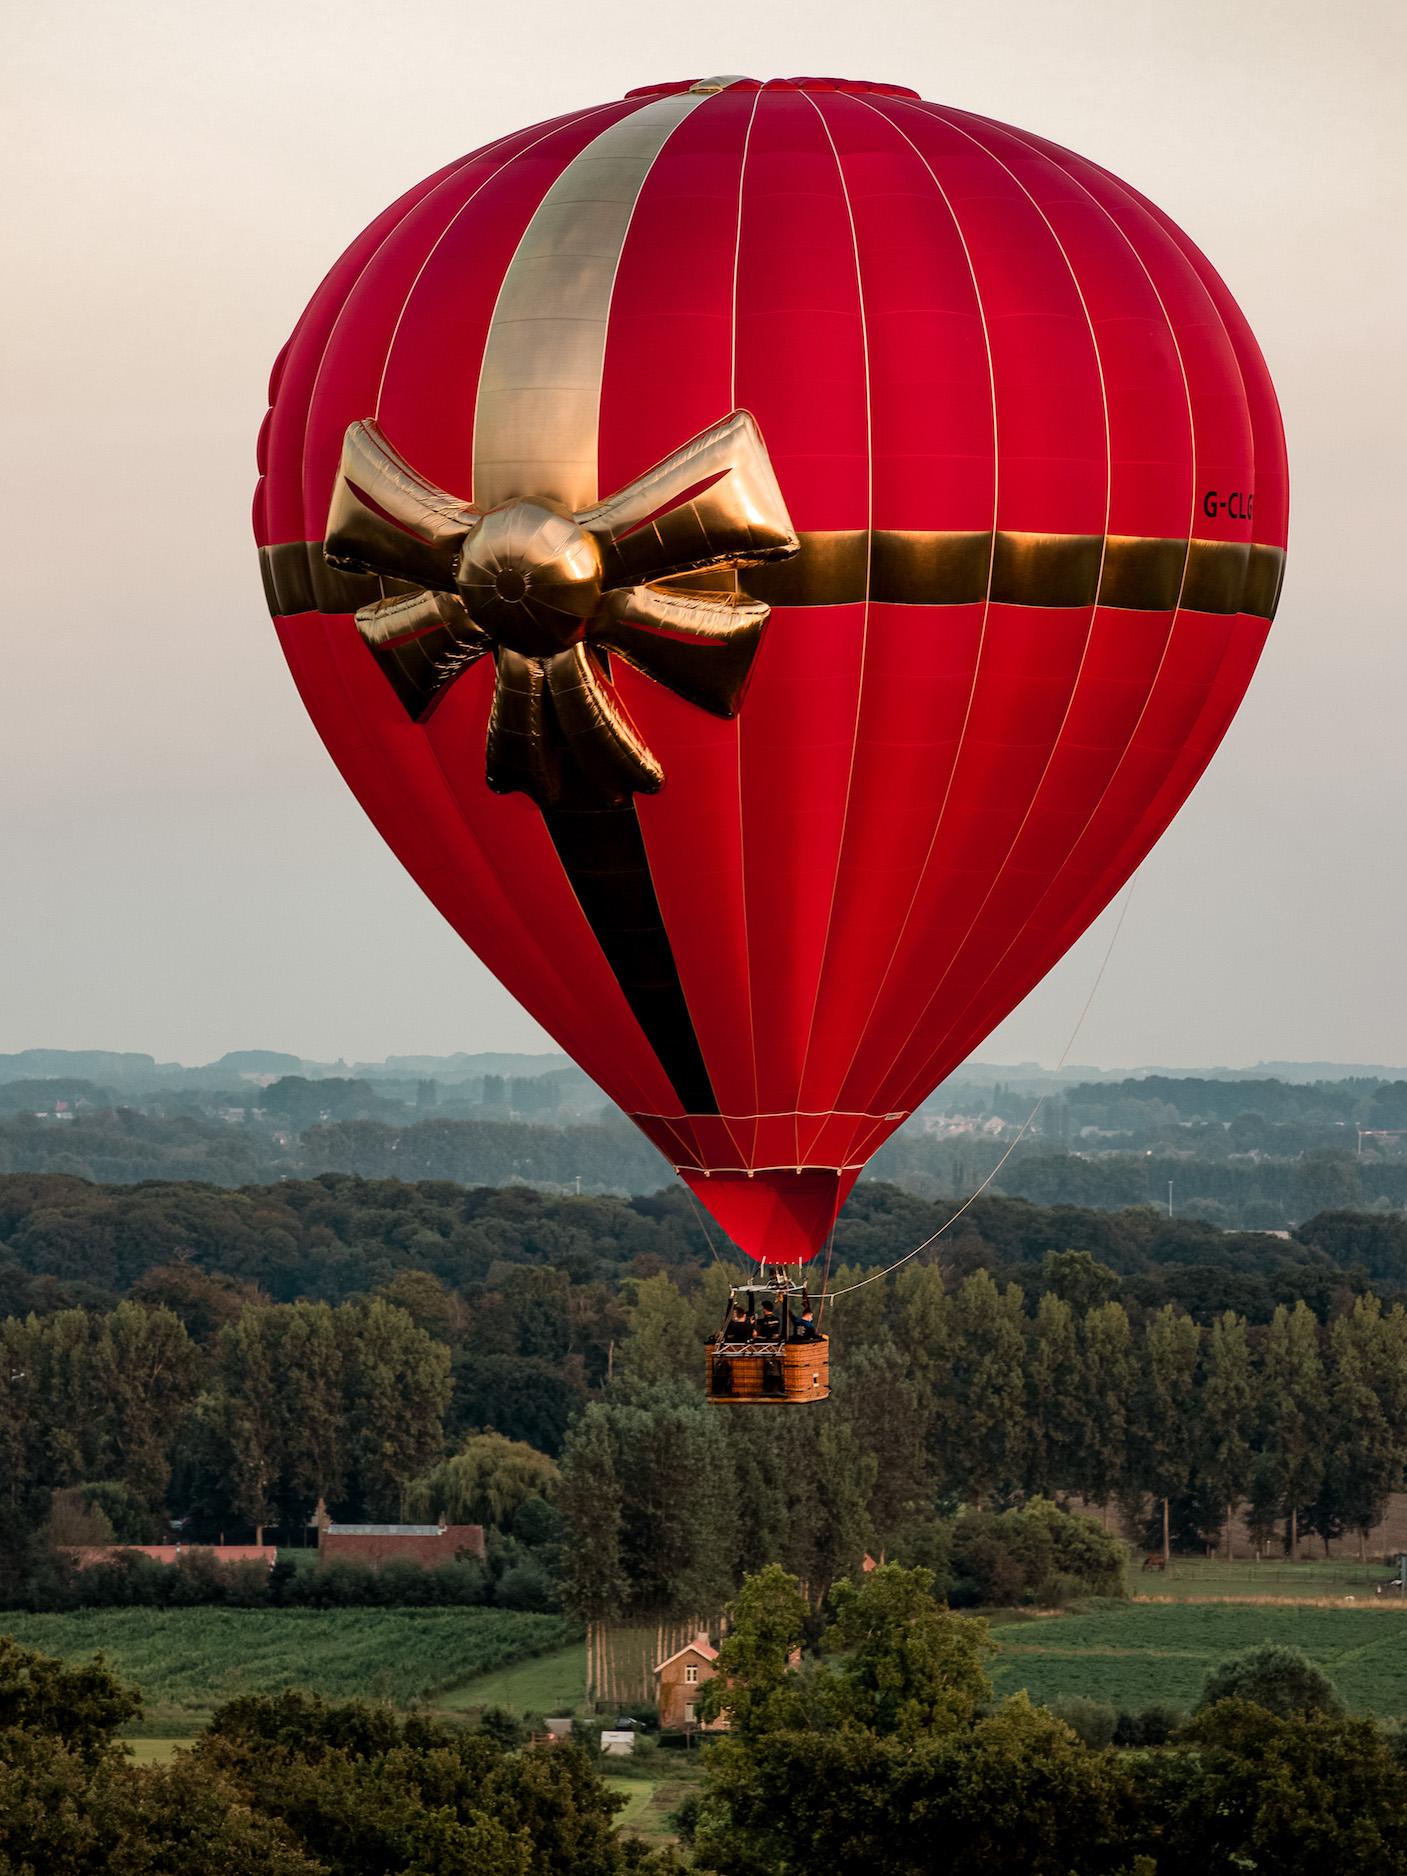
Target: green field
x=1141, y=1654
x=1334, y=1580
x=186, y=1661
x=550, y=1683
x=649, y=1801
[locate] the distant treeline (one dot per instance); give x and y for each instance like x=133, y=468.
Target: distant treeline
x=1247, y=1172
x=67, y=1242
x=123, y=1145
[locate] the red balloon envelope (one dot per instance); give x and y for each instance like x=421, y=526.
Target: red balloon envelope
x=771, y=559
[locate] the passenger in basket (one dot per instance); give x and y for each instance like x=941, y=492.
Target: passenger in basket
x=803, y=1327
x=739, y=1326
x=769, y=1323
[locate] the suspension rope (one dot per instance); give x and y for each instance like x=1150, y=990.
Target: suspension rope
x=970, y=1201
x=703, y=1223
x=826, y=1274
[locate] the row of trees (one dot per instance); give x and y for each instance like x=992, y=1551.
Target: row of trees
x=976, y=1394
x=288, y=1404
x=204, y=1402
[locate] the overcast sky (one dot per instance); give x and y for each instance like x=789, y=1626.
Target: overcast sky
x=183, y=870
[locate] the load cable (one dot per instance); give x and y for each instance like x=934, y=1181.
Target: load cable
x=947, y=1225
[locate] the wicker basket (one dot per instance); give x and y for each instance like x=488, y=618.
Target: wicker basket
x=767, y=1376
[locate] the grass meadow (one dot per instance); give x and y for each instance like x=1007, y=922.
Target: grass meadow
x=1140, y=1654
x=187, y=1661
x=546, y=1683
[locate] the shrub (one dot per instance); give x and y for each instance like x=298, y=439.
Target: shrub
x=1093, y=1721
x=526, y=1586
x=1151, y=1726
x=984, y=1570
x=1035, y=1553
x=1282, y=1680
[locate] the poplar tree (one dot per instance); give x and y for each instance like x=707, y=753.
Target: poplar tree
x=20, y=1458
x=1101, y=1465
x=589, y=1499
x=398, y=1388
x=147, y=1368
x=68, y=1393
x=1227, y=1415
x=1292, y=1424
x=311, y=1427
x=875, y=1397
x=1056, y=1407
x=243, y=1418
x=658, y=1346
x=1362, y=1463
x=983, y=1412
x=1161, y=1428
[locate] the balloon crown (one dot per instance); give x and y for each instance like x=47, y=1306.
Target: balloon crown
x=735, y=82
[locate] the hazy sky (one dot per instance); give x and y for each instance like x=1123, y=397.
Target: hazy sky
x=183, y=870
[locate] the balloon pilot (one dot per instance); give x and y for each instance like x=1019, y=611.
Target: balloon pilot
x=769, y=1349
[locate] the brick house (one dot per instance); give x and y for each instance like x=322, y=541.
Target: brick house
x=678, y=1679
x=427, y=1544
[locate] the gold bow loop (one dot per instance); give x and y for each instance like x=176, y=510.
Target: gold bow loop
x=551, y=594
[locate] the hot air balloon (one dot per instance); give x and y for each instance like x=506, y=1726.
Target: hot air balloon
x=771, y=558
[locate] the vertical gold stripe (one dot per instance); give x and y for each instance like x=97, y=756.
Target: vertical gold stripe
x=537, y=418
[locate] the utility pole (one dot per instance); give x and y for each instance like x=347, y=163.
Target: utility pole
x=1170, y=1187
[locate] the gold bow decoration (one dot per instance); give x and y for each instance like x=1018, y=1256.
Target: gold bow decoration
x=551, y=594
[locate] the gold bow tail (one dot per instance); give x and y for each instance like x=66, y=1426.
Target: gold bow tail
x=550, y=596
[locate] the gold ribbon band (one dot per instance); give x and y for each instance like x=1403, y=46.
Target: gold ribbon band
x=914, y=567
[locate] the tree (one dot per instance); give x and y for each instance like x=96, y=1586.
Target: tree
x=244, y=1415
x=1363, y=1462
x=679, y=1518
x=834, y=1530
x=205, y=1300
x=66, y=1387
x=1280, y=1679
x=874, y=1757
x=361, y=1790
x=84, y=1706
x=433, y=1307
x=912, y=1667
x=657, y=1347
x=1078, y=1279
x=1226, y=1417
x=1292, y=1390
x=487, y=1481
x=1056, y=1405
x=1101, y=1466
x=982, y=1420
x=1161, y=1430
x=1297, y=1793
x=1020, y=1795
x=754, y=1683
x=592, y=1567
x=147, y=1367
x=1326, y=1181
x=311, y=1405
x=398, y=1387
x=880, y=1405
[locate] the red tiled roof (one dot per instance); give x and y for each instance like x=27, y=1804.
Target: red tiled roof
x=86, y=1554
